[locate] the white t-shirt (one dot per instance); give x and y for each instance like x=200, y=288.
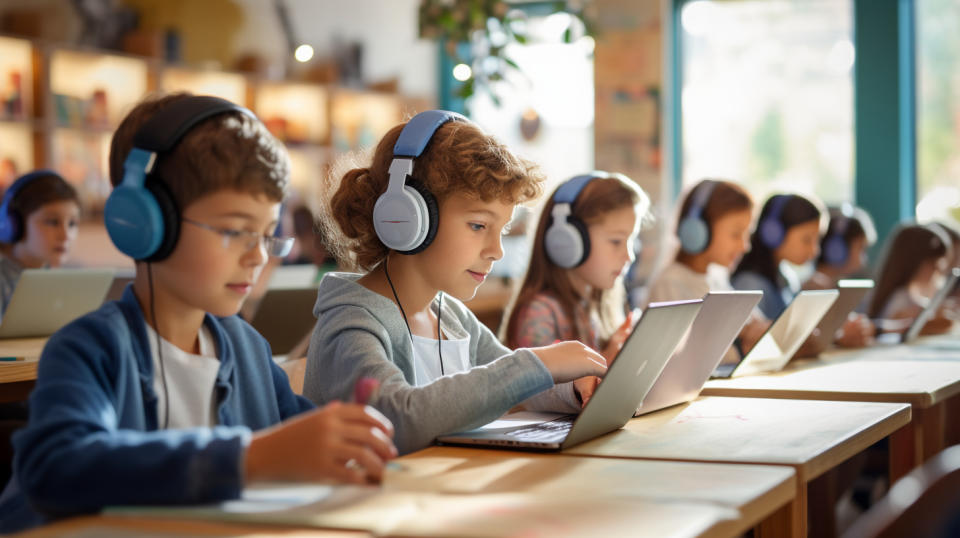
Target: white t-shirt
x=190, y=382
x=456, y=351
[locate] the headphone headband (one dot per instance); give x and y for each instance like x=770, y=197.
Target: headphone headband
x=416, y=134
x=567, y=192
x=161, y=132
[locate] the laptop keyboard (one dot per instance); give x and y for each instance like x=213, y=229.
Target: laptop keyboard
x=555, y=430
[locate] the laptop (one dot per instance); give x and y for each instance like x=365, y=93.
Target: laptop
x=627, y=382
x=928, y=311
x=45, y=300
x=717, y=325
x=784, y=336
x=852, y=292
x=285, y=316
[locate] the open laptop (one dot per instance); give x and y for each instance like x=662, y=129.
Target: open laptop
x=46, y=299
x=285, y=316
x=928, y=311
x=713, y=331
x=852, y=292
x=784, y=336
x=627, y=382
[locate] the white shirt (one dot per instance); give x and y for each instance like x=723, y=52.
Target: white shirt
x=678, y=282
x=190, y=382
x=426, y=358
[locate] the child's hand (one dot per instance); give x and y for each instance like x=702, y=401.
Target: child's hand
x=751, y=333
x=584, y=387
x=568, y=361
x=619, y=337
x=857, y=331
x=339, y=442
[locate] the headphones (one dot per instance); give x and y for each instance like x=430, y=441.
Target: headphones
x=406, y=215
x=835, y=249
x=141, y=216
x=567, y=241
x=11, y=221
x=693, y=230
x=770, y=229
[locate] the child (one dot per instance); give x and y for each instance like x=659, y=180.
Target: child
x=426, y=245
x=38, y=225
x=916, y=261
x=158, y=398
x=580, y=299
x=843, y=248
x=788, y=230
x=714, y=232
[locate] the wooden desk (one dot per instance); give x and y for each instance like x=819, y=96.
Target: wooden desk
x=928, y=386
x=106, y=526
x=756, y=492
x=17, y=377
x=811, y=436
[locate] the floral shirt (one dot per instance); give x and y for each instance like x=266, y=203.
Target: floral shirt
x=543, y=321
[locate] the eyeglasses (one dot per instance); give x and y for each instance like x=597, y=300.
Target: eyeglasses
x=275, y=246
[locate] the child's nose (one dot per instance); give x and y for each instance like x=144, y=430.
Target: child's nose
x=495, y=248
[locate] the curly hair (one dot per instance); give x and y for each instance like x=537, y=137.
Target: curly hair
x=460, y=159
x=226, y=151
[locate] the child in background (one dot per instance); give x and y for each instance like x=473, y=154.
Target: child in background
x=843, y=248
x=578, y=294
x=425, y=245
x=38, y=225
x=714, y=232
x=916, y=262
x=788, y=231
x=166, y=396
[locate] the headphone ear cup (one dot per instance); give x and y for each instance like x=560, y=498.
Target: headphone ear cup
x=170, y=214
x=567, y=242
x=771, y=233
x=694, y=235
x=835, y=251
x=11, y=229
x=433, y=214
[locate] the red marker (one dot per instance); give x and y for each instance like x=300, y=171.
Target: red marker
x=365, y=390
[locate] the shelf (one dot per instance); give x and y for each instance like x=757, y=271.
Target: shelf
x=16, y=151
x=16, y=79
x=294, y=112
x=94, y=89
x=230, y=86
x=360, y=119
x=82, y=158
x=307, y=165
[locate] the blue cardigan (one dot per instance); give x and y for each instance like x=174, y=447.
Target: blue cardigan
x=92, y=439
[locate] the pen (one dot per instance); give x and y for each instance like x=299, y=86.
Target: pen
x=365, y=390
x=11, y=359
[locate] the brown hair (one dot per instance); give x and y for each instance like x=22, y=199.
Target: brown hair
x=725, y=198
x=599, y=197
x=40, y=191
x=227, y=151
x=460, y=158
x=907, y=249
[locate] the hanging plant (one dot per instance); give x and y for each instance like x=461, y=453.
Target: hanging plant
x=488, y=27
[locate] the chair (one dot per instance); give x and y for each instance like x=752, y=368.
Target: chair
x=926, y=503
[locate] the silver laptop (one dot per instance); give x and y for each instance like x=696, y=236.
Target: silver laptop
x=627, y=382
x=285, y=316
x=852, y=292
x=784, y=336
x=932, y=306
x=46, y=299
x=713, y=332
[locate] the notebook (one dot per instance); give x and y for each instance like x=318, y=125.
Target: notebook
x=46, y=299
x=627, y=382
x=784, y=336
x=851, y=294
x=713, y=331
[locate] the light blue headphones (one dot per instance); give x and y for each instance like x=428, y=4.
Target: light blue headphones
x=771, y=229
x=567, y=240
x=11, y=221
x=694, y=230
x=406, y=215
x=141, y=216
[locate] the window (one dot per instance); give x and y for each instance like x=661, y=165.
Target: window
x=767, y=95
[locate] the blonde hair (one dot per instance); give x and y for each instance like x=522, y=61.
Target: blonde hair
x=460, y=159
x=599, y=197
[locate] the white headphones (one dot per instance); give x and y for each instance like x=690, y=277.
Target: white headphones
x=567, y=241
x=406, y=214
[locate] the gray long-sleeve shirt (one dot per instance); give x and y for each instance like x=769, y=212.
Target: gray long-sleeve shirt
x=361, y=333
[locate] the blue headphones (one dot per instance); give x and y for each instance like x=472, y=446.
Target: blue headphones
x=406, y=215
x=770, y=229
x=835, y=249
x=11, y=221
x=141, y=216
x=567, y=241
x=694, y=230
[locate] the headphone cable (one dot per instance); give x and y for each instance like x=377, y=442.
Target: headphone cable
x=156, y=330
x=386, y=272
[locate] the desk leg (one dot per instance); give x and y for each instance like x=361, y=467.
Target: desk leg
x=789, y=520
x=905, y=447
x=952, y=433
x=822, y=505
x=933, y=420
